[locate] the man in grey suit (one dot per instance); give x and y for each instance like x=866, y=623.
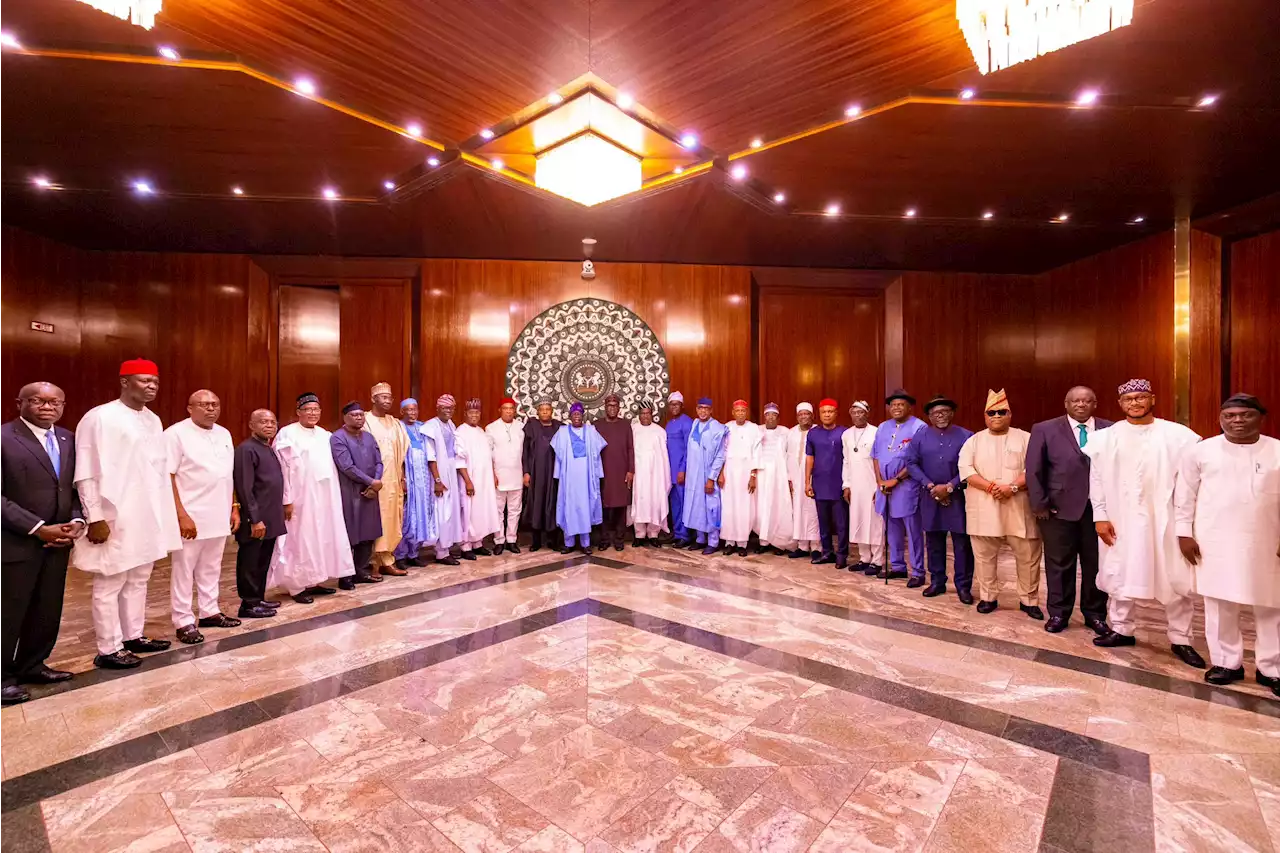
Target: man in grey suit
x=41, y=518
x=1058, y=485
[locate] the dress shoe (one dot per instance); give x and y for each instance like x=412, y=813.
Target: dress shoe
x=319, y=590
x=1112, y=640
x=798, y=554
x=347, y=583
x=987, y=606
x=117, y=660
x=841, y=566
x=1033, y=611
x=274, y=605
x=709, y=550
x=482, y=552
x=637, y=542
x=256, y=611
x=447, y=561
x=619, y=547
x=392, y=571
x=146, y=644
x=219, y=620
x=1222, y=675
x=366, y=577
x=892, y=574
x=602, y=546
x=1267, y=680
x=188, y=635
x=585, y=550
x=653, y=543
x=1056, y=624
x=467, y=555
x=1097, y=626
x=13, y=694
x=965, y=596
x=1188, y=655
x=934, y=590
x=871, y=570
x=823, y=559
x=44, y=675
x=513, y=548
x=534, y=548
x=303, y=598
x=915, y=583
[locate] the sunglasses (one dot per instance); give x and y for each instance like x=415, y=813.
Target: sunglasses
x=997, y=413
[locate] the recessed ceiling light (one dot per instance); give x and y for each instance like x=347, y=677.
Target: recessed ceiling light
x=909, y=213
x=554, y=99
x=678, y=170
x=304, y=86
x=625, y=101
x=433, y=161
x=1062, y=217
x=967, y=94
x=143, y=187
x=42, y=182
x=330, y=193
x=852, y=111
x=757, y=142
x=779, y=197
x=168, y=53
x=832, y=209
x=1207, y=101
x=486, y=134
x=237, y=191
x=8, y=39
x=413, y=129
x=689, y=140
x=738, y=172
x=1087, y=98
x=987, y=214
x=497, y=164
x=1138, y=220
x=388, y=185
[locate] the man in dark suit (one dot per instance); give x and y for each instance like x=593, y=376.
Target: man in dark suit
x=41, y=518
x=1058, y=485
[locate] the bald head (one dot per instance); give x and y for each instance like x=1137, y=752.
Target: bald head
x=1081, y=403
x=262, y=423
x=204, y=407
x=41, y=403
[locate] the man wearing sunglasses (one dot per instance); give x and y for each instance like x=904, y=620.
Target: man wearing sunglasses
x=994, y=465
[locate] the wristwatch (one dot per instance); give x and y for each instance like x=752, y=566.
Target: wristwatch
x=1014, y=488
x=950, y=489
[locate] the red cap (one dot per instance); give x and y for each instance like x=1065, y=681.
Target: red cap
x=139, y=366
x=828, y=401
x=742, y=403
x=506, y=400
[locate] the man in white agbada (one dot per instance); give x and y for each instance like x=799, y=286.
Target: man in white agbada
x=866, y=527
x=122, y=475
x=201, y=458
x=649, y=491
x=1227, y=505
x=442, y=457
x=773, y=487
x=738, y=497
x=480, y=501
x=506, y=441
x=315, y=546
x=804, y=509
x=1132, y=470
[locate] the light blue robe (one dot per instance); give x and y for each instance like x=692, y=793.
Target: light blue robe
x=420, y=498
x=708, y=443
x=439, y=443
x=578, y=505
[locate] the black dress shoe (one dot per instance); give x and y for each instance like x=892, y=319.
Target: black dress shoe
x=585, y=550
x=1267, y=680
x=841, y=566
x=513, y=548
x=220, y=620
x=934, y=590
x=188, y=635
x=366, y=577
x=915, y=583
x=693, y=545
x=797, y=554
x=618, y=547
x=483, y=552
x=256, y=611
x=44, y=675
x=567, y=550
x=709, y=550
x=303, y=598
x=467, y=555
x=13, y=694
x=1222, y=675
x=447, y=561
x=602, y=546
x=1097, y=626
x=1032, y=610
x=274, y=605
x=347, y=583
x=653, y=543
x=965, y=596
x=319, y=590
x=1188, y=655
x=142, y=645
x=824, y=559
x=987, y=606
x=117, y=660
x=1056, y=624
x=1112, y=640
x=872, y=570
x=638, y=542
x=892, y=574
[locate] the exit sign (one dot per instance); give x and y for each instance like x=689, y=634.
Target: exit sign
x=37, y=326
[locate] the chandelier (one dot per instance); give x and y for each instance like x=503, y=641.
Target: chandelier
x=1001, y=33
x=141, y=13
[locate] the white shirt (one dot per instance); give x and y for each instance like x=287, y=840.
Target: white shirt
x=507, y=442
x=202, y=459
x=40, y=434
x=1075, y=428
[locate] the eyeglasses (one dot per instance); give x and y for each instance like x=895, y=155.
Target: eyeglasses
x=45, y=402
x=214, y=406
x=997, y=413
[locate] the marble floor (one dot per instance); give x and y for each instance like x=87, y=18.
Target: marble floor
x=638, y=701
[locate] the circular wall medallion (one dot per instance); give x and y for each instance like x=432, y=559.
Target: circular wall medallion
x=582, y=351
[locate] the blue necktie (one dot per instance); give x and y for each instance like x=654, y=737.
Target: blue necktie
x=1084, y=434
x=51, y=447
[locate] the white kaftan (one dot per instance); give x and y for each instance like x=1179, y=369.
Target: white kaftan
x=315, y=546
x=441, y=447
x=737, y=504
x=773, y=490
x=475, y=453
x=649, y=505
x=866, y=526
x=804, y=510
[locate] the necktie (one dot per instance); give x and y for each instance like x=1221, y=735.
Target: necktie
x=51, y=447
x=1084, y=435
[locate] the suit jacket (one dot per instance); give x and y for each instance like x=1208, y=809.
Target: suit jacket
x=31, y=491
x=1057, y=472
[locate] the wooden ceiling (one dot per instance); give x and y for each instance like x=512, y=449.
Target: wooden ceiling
x=731, y=70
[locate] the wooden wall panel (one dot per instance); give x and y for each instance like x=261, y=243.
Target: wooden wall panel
x=376, y=323
x=309, y=334
x=816, y=343
x=1255, y=317
x=1206, y=332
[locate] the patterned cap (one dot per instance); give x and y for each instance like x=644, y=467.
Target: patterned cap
x=445, y=401
x=675, y=395
x=646, y=406
x=307, y=397
x=997, y=400
x=860, y=404
x=1135, y=386
x=577, y=407
x=354, y=405
x=771, y=407
x=473, y=403
x=704, y=401
x=380, y=388
x=406, y=401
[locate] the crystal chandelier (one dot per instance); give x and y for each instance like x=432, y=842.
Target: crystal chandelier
x=142, y=13
x=1001, y=33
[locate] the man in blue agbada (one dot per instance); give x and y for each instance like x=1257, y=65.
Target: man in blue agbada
x=420, y=527
x=891, y=453
x=578, y=469
x=704, y=476
x=678, y=426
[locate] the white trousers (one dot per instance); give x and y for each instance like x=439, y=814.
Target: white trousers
x=509, y=504
x=1178, y=612
x=200, y=560
x=120, y=607
x=1226, y=644
x=648, y=531
x=869, y=552
x=807, y=545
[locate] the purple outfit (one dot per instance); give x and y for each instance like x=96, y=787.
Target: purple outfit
x=891, y=450
x=933, y=456
x=826, y=448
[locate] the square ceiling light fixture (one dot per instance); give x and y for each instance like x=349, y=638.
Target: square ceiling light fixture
x=588, y=169
x=141, y=13
x=1001, y=33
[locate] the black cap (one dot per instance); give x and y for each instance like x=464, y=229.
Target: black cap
x=1243, y=401
x=939, y=400
x=899, y=394
x=353, y=405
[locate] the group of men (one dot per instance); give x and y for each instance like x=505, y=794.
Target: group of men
x=1146, y=510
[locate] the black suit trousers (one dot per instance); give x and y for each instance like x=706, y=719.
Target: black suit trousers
x=252, y=562
x=1064, y=542
x=32, y=610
